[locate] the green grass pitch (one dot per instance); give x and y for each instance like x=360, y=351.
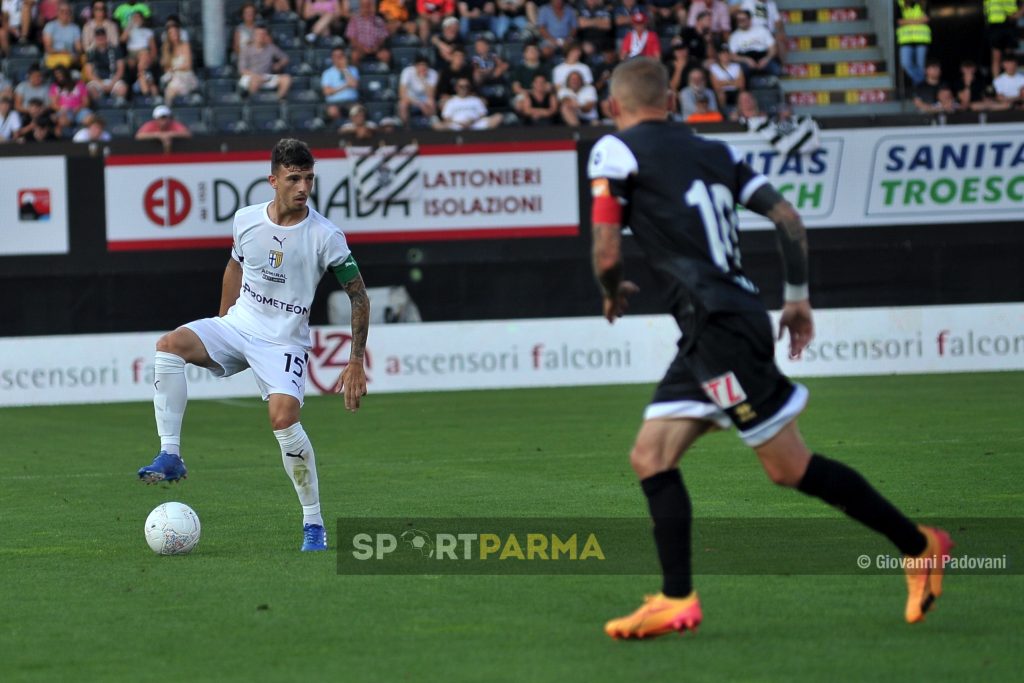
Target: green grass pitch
x=83, y=597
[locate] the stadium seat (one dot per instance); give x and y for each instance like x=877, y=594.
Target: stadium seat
x=304, y=117
x=26, y=50
x=380, y=88
x=406, y=40
x=496, y=95
x=223, y=71
x=374, y=67
x=162, y=9
x=189, y=115
x=17, y=67
x=375, y=111
x=114, y=117
x=263, y=97
x=320, y=59
x=265, y=117
x=512, y=52
x=306, y=95
x=227, y=119
x=404, y=56
x=298, y=64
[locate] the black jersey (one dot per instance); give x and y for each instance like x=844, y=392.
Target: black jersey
x=679, y=193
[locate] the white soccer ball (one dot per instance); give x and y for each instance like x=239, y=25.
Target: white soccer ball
x=172, y=529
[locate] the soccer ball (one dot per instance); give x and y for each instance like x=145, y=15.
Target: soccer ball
x=172, y=529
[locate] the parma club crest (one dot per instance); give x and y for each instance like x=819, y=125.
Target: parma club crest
x=276, y=258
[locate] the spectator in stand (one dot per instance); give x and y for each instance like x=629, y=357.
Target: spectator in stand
x=104, y=70
x=511, y=14
x=947, y=102
x=748, y=111
x=451, y=73
x=15, y=23
x=62, y=40
x=754, y=48
x=100, y=19
x=42, y=129
x=430, y=14
x=42, y=12
x=466, y=111
x=602, y=69
x=719, y=18
x=138, y=38
x=279, y=9
x=578, y=101
x=367, y=33
x=417, y=90
x=123, y=13
x=595, y=27
x=726, y=78
x=323, y=17
x=1009, y=85
x=244, y=32
x=10, y=119
x=476, y=15
x=339, y=84
x=680, y=64
x=765, y=13
x=640, y=41
x=538, y=105
x=163, y=127
x=488, y=67
x=178, y=79
x=1001, y=17
x=397, y=17
x=970, y=89
x=522, y=74
x=144, y=80
x=262, y=65
x=663, y=13
x=622, y=16
x=5, y=86
x=696, y=84
x=35, y=109
x=703, y=113
x=358, y=125
x=926, y=94
x=913, y=35
x=69, y=98
x=447, y=41
x=557, y=24
x=94, y=130
x=560, y=73
x=34, y=87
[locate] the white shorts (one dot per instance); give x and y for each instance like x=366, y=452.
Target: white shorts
x=269, y=82
x=278, y=368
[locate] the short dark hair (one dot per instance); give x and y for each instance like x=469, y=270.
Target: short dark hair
x=291, y=153
x=933, y=62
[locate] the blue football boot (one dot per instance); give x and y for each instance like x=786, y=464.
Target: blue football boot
x=165, y=467
x=314, y=537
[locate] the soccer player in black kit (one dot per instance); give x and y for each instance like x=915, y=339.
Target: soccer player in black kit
x=678, y=193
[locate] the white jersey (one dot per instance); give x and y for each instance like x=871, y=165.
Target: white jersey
x=281, y=268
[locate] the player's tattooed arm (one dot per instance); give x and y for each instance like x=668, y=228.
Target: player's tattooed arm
x=607, y=260
x=231, y=286
x=352, y=382
x=791, y=234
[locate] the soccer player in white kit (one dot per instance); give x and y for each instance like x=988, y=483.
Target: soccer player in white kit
x=281, y=250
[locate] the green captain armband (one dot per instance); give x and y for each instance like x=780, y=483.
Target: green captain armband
x=347, y=270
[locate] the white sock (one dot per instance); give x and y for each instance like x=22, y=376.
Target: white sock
x=300, y=464
x=169, y=399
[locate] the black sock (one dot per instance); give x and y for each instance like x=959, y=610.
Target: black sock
x=671, y=511
x=846, y=489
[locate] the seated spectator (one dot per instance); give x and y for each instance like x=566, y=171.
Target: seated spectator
x=163, y=127
x=572, y=62
x=522, y=74
x=324, y=17
x=578, y=101
x=94, y=130
x=278, y=9
x=719, y=21
x=947, y=102
x=748, y=111
x=143, y=76
x=138, y=38
x=447, y=41
x=262, y=65
x=358, y=125
x=397, y=16
x=62, y=40
x=34, y=87
x=173, y=20
x=10, y=119
x=42, y=129
x=488, y=67
x=476, y=15
x=970, y=88
x=5, y=86
x=368, y=34
x=176, y=61
x=765, y=13
x=701, y=39
x=466, y=111
x=557, y=24
x=640, y=41
x=1009, y=85
x=429, y=16
x=244, y=32
x=603, y=66
x=339, y=84
x=754, y=47
x=15, y=23
x=42, y=13
x=662, y=12
x=417, y=89
x=703, y=113
x=69, y=99
x=100, y=19
x=451, y=74
x=680, y=64
x=926, y=94
x=726, y=78
x=123, y=13
x=622, y=16
x=104, y=69
x=696, y=84
x=511, y=14
x=595, y=27
x=537, y=106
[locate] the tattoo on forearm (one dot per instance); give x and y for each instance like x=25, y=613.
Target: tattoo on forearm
x=607, y=257
x=356, y=291
x=792, y=239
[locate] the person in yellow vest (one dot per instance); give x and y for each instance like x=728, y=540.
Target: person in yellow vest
x=1001, y=19
x=914, y=36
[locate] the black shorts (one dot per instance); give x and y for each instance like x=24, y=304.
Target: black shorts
x=727, y=375
x=1003, y=37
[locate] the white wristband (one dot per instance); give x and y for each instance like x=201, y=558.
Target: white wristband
x=796, y=292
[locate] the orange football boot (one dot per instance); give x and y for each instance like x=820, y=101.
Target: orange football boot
x=657, y=616
x=924, y=573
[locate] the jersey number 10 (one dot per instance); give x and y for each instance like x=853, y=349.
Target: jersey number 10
x=718, y=213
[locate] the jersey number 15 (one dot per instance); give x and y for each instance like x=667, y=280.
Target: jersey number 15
x=718, y=213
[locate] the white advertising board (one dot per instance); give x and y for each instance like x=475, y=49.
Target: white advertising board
x=33, y=206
